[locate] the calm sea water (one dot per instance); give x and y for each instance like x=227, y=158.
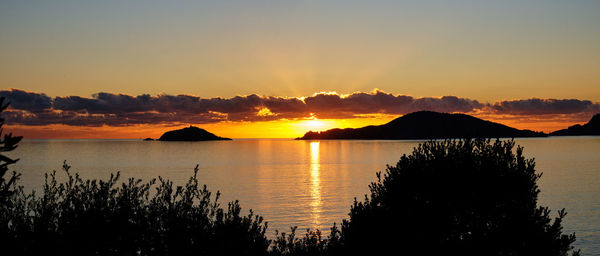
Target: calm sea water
x=311, y=184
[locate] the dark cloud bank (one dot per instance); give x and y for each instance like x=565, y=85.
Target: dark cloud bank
x=31, y=108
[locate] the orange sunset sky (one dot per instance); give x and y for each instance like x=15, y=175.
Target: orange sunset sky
x=276, y=69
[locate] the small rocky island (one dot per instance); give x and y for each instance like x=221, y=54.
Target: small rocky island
x=591, y=128
x=426, y=125
x=191, y=133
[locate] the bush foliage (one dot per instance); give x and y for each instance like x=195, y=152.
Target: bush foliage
x=457, y=197
x=8, y=143
x=95, y=217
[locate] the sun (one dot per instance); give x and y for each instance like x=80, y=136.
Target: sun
x=314, y=124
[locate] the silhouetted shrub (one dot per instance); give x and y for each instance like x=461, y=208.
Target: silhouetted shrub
x=8, y=143
x=312, y=243
x=456, y=197
x=95, y=217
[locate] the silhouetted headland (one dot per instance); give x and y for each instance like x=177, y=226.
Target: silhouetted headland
x=426, y=125
x=591, y=128
x=191, y=133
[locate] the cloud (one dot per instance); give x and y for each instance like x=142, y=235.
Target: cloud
x=379, y=102
x=105, y=103
x=545, y=107
x=110, y=109
x=30, y=101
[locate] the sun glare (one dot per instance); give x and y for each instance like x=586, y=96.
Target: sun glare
x=314, y=124
x=315, y=183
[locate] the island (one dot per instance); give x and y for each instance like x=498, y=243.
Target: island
x=591, y=128
x=426, y=125
x=191, y=133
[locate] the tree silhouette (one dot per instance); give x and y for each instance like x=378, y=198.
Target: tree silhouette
x=456, y=197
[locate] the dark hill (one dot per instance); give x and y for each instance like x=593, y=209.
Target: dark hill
x=426, y=125
x=591, y=128
x=190, y=134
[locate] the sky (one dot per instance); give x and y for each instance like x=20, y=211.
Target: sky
x=64, y=64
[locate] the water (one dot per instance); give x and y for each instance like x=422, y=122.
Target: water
x=311, y=184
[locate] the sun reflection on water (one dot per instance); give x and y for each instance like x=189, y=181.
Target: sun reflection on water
x=315, y=183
